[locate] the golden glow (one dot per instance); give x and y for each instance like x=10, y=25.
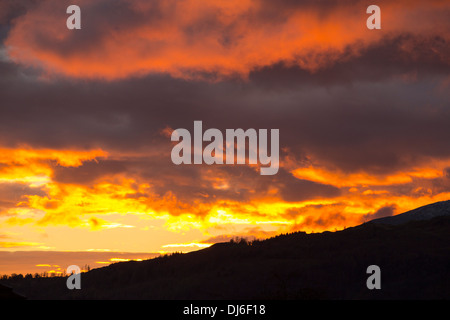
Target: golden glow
x=341, y=179
x=184, y=245
x=66, y=158
x=91, y=206
x=122, y=259
x=5, y=244
x=114, y=260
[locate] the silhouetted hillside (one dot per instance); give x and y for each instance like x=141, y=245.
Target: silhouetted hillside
x=414, y=259
x=7, y=293
x=430, y=211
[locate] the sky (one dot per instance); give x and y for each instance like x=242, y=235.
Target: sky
x=86, y=118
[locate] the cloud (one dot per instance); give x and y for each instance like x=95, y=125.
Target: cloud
x=14, y=193
x=88, y=172
x=9, y=244
x=296, y=190
x=407, y=57
x=385, y=211
x=248, y=233
x=191, y=39
x=327, y=218
x=187, y=245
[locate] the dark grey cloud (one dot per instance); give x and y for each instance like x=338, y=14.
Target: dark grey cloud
x=12, y=193
x=88, y=172
x=296, y=190
x=12, y=9
x=385, y=211
x=368, y=125
x=405, y=56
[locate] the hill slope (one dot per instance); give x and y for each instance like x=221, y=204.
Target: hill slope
x=423, y=213
x=7, y=293
x=414, y=259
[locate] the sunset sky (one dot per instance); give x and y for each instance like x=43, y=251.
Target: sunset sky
x=86, y=117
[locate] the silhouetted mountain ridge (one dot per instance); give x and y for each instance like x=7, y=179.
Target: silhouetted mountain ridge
x=430, y=211
x=414, y=259
x=7, y=293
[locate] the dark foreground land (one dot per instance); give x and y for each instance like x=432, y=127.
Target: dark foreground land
x=414, y=259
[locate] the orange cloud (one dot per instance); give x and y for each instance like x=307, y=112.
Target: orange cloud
x=9, y=244
x=342, y=179
x=192, y=38
x=31, y=165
